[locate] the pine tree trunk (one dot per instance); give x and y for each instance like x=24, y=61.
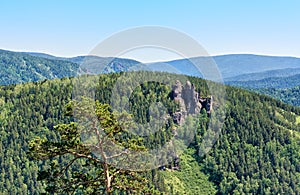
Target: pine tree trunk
x=107, y=180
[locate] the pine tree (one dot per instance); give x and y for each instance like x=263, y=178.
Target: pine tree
x=89, y=169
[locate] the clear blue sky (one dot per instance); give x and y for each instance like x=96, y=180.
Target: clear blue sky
x=73, y=27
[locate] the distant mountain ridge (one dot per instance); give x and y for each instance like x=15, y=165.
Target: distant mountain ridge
x=95, y=64
x=238, y=64
x=233, y=67
x=272, y=82
x=230, y=66
x=265, y=74
x=20, y=68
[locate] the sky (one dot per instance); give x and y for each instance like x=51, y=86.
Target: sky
x=73, y=27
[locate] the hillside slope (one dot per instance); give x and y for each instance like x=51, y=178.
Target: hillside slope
x=288, y=95
x=19, y=68
x=238, y=64
x=96, y=64
x=233, y=67
x=278, y=73
x=272, y=82
x=257, y=152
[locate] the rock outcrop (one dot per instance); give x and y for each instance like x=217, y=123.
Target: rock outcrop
x=189, y=101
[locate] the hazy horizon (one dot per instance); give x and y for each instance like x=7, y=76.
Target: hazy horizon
x=68, y=28
x=139, y=60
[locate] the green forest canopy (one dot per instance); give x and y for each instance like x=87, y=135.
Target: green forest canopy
x=257, y=152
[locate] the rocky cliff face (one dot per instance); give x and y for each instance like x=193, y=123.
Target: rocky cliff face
x=189, y=101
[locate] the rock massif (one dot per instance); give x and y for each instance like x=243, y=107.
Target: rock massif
x=189, y=101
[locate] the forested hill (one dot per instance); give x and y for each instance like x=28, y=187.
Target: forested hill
x=233, y=67
x=272, y=82
x=237, y=69
x=256, y=153
x=17, y=67
x=287, y=95
x=285, y=89
x=96, y=64
x=20, y=68
x=277, y=73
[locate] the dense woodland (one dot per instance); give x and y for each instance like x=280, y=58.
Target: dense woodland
x=256, y=153
x=281, y=72
x=287, y=95
x=270, y=82
x=21, y=68
x=285, y=89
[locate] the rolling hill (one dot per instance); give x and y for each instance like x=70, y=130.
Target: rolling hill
x=287, y=95
x=263, y=73
x=20, y=68
x=286, y=72
x=238, y=64
x=233, y=67
x=256, y=153
x=272, y=82
x=96, y=64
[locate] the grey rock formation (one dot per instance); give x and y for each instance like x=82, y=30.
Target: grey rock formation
x=189, y=101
